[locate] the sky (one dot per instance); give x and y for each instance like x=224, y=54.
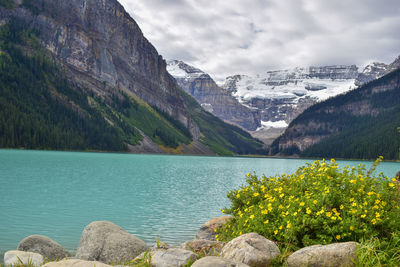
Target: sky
x=228, y=37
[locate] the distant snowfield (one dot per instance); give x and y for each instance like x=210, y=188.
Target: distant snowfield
x=320, y=89
x=265, y=125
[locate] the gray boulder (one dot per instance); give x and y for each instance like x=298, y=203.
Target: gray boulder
x=75, y=263
x=16, y=257
x=106, y=242
x=207, y=230
x=251, y=249
x=173, y=257
x=44, y=246
x=337, y=254
x=212, y=261
x=204, y=247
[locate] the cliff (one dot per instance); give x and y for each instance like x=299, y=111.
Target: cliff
x=211, y=97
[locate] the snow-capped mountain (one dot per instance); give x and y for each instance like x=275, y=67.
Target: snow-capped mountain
x=213, y=98
x=281, y=95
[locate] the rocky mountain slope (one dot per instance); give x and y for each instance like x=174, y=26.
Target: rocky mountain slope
x=282, y=95
x=376, y=70
x=102, y=53
x=211, y=97
x=360, y=124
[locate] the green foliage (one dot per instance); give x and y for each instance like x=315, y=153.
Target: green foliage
x=318, y=204
x=376, y=252
x=7, y=3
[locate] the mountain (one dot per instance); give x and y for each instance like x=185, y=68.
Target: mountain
x=211, y=97
x=360, y=124
x=89, y=64
x=376, y=70
x=284, y=94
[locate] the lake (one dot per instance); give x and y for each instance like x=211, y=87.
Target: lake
x=151, y=196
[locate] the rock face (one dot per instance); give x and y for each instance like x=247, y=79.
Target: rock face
x=106, y=242
x=213, y=98
x=76, y=263
x=284, y=94
x=16, y=257
x=172, y=257
x=211, y=261
x=44, y=246
x=251, y=249
x=207, y=230
x=333, y=255
x=103, y=49
x=376, y=70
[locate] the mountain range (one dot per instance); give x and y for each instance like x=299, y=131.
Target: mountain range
x=89, y=66
x=361, y=124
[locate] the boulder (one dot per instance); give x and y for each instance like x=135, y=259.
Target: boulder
x=337, y=254
x=204, y=247
x=106, y=242
x=75, y=263
x=251, y=249
x=207, y=230
x=212, y=261
x=44, y=246
x=16, y=257
x=173, y=257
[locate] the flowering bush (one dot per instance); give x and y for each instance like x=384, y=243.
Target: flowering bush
x=318, y=204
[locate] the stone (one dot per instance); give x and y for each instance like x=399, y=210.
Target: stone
x=107, y=242
x=212, y=261
x=75, y=263
x=207, y=230
x=204, y=247
x=44, y=246
x=337, y=254
x=16, y=257
x=172, y=257
x=251, y=249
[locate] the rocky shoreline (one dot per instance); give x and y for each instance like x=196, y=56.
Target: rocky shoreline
x=103, y=244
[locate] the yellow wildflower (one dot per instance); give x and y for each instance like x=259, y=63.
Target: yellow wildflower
x=276, y=232
x=256, y=194
x=302, y=204
x=328, y=214
x=238, y=195
x=338, y=237
x=315, y=201
x=266, y=221
x=352, y=228
x=251, y=216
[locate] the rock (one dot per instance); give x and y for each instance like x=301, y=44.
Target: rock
x=251, y=249
x=207, y=230
x=166, y=258
x=75, y=263
x=44, y=246
x=204, y=247
x=337, y=254
x=106, y=242
x=16, y=257
x=172, y=257
x=212, y=261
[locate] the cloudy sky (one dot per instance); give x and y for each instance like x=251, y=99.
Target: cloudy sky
x=226, y=37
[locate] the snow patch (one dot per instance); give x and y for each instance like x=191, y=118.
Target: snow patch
x=265, y=125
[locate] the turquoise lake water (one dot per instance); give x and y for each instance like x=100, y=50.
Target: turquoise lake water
x=151, y=196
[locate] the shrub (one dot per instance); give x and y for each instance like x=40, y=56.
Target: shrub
x=318, y=204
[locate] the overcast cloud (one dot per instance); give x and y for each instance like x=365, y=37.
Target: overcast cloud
x=226, y=37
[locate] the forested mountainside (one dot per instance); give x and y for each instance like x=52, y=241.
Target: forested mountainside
x=80, y=75
x=359, y=124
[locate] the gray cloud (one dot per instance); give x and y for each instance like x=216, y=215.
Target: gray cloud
x=229, y=37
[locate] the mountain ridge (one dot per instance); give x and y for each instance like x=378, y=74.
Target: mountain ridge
x=102, y=51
